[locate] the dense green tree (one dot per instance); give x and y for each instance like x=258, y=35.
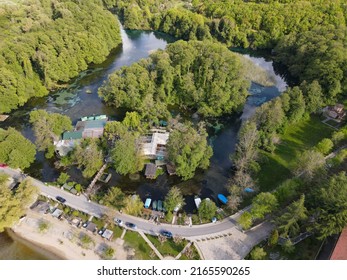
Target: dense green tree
x=48, y=128
x=313, y=96
x=288, y=191
x=245, y=220
x=63, y=177
x=188, y=150
x=114, y=198
x=45, y=43
x=295, y=105
x=340, y=136
x=325, y=146
x=207, y=209
x=288, y=246
x=14, y=204
x=257, y=253
x=289, y=223
x=15, y=149
x=132, y=120
x=273, y=239
x=257, y=24
x=88, y=157
x=133, y=205
x=317, y=55
x=203, y=76
x=173, y=198
x=126, y=155
x=115, y=130
x=331, y=206
x=262, y=204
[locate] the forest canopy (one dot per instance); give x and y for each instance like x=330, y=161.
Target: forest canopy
x=202, y=76
x=309, y=37
x=44, y=43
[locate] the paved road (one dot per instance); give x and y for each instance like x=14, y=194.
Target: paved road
x=92, y=208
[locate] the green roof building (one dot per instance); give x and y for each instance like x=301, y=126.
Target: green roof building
x=72, y=135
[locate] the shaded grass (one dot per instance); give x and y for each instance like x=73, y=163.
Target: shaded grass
x=142, y=249
x=168, y=248
x=305, y=250
x=275, y=167
x=117, y=231
x=99, y=223
x=195, y=254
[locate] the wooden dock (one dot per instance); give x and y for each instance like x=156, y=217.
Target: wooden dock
x=90, y=188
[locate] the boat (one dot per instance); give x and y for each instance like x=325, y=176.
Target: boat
x=248, y=190
x=148, y=202
x=222, y=198
x=160, y=205
x=154, y=205
x=197, y=201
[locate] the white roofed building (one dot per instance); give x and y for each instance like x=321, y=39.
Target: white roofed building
x=153, y=146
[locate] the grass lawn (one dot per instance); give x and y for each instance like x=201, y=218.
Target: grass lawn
x=275, y=167
x=142, y=250
x=99, y=223
x=168, y=248
x=117, y=231
x=195, y=254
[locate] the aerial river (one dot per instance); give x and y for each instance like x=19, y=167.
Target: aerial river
x=80, y=98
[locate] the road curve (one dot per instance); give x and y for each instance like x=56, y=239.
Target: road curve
x=81, y=203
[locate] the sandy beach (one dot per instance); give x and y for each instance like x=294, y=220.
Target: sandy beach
x=61, y=240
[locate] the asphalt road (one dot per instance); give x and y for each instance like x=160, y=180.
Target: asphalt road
x=81, y=203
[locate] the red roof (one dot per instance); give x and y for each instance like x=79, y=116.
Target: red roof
x=340, y=250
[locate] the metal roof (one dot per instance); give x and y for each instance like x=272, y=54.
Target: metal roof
x=95, y=124
x=72, y=135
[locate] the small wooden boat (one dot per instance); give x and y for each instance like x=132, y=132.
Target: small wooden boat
x=154, y=205
x=148, y=202
x=222, y=198
x=160, y=205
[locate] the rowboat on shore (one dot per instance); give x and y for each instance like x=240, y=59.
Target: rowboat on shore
x=148, y=202
x=154, y=205
x=160, y=205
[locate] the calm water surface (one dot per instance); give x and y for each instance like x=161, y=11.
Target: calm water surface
x=80, y=98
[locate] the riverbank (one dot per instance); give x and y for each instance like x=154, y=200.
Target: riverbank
x=61, y=241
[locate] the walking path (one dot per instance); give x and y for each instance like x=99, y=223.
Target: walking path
x=184, y=249
x=160, y=256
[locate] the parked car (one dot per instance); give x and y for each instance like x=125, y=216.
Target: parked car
x=131, y=225
x=3, y=165
x=118, y=221
x=60, y=199
x=85, y=224
x=166, y=233
x=101, y=231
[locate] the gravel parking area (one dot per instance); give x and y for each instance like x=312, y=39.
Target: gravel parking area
x=232, y=244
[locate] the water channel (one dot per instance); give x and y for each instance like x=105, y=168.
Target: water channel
x=80, y=99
